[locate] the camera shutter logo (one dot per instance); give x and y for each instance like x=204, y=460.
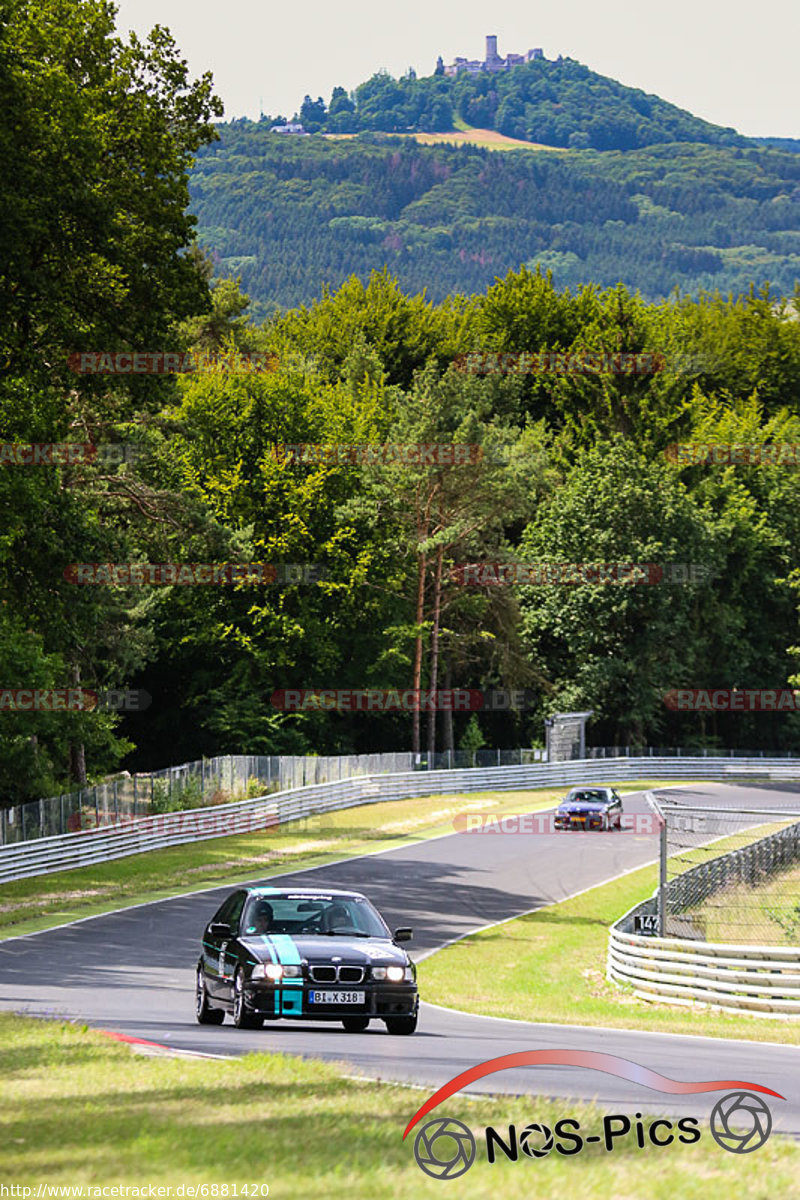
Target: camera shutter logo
x=527, y=1141
x=444, y=1148
x=739, y=1109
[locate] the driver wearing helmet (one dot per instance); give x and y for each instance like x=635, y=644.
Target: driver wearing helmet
x=262, y=917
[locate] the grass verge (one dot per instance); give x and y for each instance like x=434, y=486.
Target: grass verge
x=45, y=901
x=79, y=1109
x=550, y=966
x=766, y=915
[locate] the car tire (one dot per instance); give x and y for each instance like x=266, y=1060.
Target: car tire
x=206, y=1015
x=401, y=1025
x=355, y=1024
x=242, y=1019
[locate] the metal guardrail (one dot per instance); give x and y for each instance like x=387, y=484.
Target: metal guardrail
x=758, y=979
x=132, y=836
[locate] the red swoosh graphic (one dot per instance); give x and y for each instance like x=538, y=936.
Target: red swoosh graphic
x=623, y=1068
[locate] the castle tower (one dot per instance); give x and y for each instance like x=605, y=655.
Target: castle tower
x=491, y=47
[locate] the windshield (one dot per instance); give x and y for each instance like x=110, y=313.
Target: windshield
x=295, y=913
x=588, y=797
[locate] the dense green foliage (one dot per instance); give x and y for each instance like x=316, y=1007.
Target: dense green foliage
x=100, y=256
x=289, y=215
x=558, y=103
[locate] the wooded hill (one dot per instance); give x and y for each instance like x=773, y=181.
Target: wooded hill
x=559, y=103
x=292, y=214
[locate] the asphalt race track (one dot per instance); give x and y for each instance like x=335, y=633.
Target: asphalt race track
x=133, y=971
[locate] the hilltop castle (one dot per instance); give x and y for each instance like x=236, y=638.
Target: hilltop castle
x=493, y=61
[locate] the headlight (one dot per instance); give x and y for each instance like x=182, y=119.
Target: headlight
x=274, y=971
x=393, y=974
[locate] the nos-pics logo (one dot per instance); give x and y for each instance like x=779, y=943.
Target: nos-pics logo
x=445, y=1148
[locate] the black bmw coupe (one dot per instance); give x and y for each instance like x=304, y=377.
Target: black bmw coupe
x=304, y=954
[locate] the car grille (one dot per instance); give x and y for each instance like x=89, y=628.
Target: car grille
x=328, y=974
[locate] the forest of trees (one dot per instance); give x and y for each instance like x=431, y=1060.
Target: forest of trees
x=289, y=215
x=100, y=255
x=556, y=103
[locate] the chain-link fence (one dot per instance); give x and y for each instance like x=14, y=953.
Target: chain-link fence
x=731, y=875
x=208, y=781
x=220, y=781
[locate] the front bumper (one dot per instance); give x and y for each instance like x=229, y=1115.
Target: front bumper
x=589, y=821
x=289, y=999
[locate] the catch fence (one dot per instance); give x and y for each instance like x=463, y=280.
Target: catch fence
x=731, y=875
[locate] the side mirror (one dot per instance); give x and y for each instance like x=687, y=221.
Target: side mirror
x=219, y=929
x=403, y=935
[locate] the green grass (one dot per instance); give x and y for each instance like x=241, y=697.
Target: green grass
x=550, y=966
x=79, y=1109
x=44, y=901
x=767, y=915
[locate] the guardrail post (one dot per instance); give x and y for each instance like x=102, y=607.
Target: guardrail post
x=662, y=881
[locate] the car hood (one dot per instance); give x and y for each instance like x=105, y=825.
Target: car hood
x=361, y=951
x=582, y=806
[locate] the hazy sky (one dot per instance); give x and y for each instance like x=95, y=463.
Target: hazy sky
x=734, y=65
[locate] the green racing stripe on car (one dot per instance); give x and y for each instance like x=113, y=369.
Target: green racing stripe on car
x=287, y=998
x=287, y=952
x=273, y=957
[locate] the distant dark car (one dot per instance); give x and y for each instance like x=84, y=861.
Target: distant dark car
x=590, y=808
x=307, y=955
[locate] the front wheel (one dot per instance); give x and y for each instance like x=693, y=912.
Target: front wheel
x=401, y=1025
x=355, y=1024
x=242, y=1019
x=206, y=1015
